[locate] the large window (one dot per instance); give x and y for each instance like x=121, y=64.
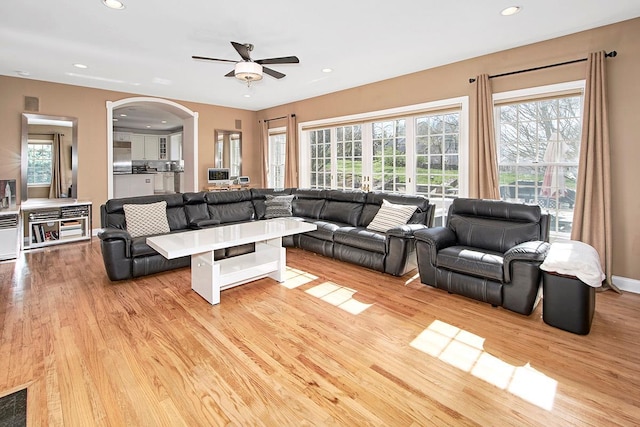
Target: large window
x=416, y=150
x=538, y=152
x=39, y=162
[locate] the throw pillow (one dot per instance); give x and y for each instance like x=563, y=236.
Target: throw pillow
x=147, y=219
x=391, y=215
x=277, y=206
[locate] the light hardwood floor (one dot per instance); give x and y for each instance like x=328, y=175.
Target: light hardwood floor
x=334, y=345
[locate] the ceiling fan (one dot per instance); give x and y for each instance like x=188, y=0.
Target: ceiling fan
x=249, y=70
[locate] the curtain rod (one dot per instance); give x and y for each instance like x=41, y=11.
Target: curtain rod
x=46, y=133
x=277, y=118
x=611, y=54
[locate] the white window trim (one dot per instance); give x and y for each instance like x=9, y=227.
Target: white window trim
x=410, y=110
x=539, y=90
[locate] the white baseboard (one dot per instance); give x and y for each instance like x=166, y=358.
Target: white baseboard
x=626, y=284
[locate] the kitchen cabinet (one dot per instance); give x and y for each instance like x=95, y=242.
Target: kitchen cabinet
x=122, y=136
x=145, y=147
x=175, y=146
x=133, y=185
x=162, y=147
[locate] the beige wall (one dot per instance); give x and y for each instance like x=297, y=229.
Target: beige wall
x=453, y=81
x=88, y=105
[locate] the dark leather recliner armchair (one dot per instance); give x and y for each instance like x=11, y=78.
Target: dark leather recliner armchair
x=489, y=251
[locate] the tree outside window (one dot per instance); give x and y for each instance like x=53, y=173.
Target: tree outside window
x=39, y=163
x=538, y=154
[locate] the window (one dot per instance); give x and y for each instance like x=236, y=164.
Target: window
x=411, y=150
x=390, y=156
x=40, y=159
x=538, y=152
x=277, y=155
x=349, y=157
x=320, y=156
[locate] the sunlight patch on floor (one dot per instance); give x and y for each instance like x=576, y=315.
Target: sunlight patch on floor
x=411, y=279
x=338, y=296
x=295, y=278
x=464, y=351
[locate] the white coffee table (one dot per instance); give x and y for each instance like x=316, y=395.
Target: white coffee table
x=209, y=276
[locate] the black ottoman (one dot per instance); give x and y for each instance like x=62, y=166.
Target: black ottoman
x=567, y=303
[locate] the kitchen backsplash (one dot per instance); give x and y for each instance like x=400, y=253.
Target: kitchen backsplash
x=161, y=165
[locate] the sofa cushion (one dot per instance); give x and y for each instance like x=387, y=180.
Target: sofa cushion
x=325, y=230
x=343, y=206
x=471, y=261
x=491, y=234
x=391, y=215
x=277, y=206
x=362, y=238
x=146, y=219
x=308, y=203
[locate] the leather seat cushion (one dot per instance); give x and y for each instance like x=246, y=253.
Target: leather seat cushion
x=325, y=230
x=361, y=238
x=471, y=261
x=139, y=247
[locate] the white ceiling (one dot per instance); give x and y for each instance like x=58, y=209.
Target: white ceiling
x=146, y=48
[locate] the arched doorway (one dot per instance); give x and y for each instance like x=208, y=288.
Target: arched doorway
x=189, y=137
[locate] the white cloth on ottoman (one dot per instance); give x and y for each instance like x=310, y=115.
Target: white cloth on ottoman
x=577, y=259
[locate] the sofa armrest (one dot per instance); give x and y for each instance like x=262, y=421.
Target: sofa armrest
x=436, y=238
x=109, y=234
x=203, y=223
x=533, y=251
x=406, y=230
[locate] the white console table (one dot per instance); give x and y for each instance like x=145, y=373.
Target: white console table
x=48, y=222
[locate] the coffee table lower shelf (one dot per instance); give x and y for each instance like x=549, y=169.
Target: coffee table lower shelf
x=210, y=276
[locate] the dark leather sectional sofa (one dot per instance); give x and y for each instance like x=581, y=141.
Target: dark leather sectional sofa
x=341, y=218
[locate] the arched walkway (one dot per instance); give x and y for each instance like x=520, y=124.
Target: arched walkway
x=189, y=136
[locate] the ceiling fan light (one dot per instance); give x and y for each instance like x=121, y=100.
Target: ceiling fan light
x=248, y=71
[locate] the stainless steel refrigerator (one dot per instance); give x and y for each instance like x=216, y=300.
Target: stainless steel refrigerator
x=121, y=157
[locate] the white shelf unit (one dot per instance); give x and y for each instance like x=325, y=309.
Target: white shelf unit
x=55, y=223
x=9, y=224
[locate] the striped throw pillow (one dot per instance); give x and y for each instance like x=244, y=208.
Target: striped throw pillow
x=391, y=215
x=277, y=206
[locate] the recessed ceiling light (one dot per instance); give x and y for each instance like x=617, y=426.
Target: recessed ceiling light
x=327, y=70
x=123, y=115
x=148, y=126
x=163, y=122
x=511, y=10
x=23, y=73
x=247, y=95
x=113, y=4
x=115, y=120
x=77, y=65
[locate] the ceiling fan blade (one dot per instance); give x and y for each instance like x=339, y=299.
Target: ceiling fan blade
x=231, y=73
x=283, y=60
x=273, y=73
x=243, y=50
x=212, y=59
